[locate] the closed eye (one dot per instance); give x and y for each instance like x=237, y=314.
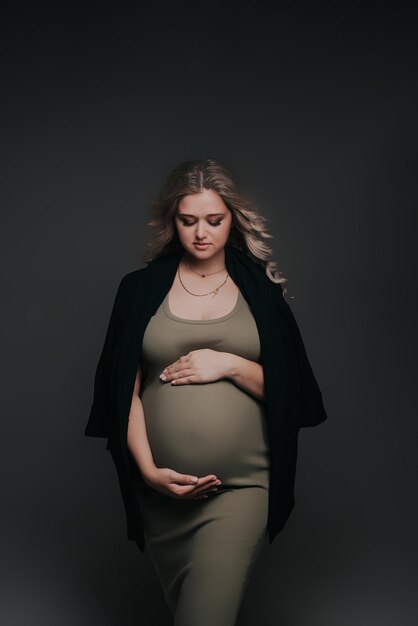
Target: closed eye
x=218, y=223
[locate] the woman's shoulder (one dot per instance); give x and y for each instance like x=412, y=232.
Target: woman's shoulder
x=141, y=277
x=130, y=282
x=134, y=275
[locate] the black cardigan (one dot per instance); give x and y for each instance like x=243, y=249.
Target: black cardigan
x=292, y=396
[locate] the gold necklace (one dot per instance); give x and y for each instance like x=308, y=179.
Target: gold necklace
x=215, y=291
x=204, y=275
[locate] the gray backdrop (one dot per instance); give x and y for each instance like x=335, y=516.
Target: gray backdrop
x=315, y=106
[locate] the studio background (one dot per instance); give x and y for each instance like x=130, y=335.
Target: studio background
x=315, y=107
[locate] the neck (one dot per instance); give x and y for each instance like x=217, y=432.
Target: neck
x=205, y=266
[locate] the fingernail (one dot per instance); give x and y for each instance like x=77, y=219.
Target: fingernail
x=194, y=479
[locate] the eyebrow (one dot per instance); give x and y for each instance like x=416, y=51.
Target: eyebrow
x=208, y=215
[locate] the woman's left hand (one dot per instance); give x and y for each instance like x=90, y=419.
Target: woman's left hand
x=197, y=366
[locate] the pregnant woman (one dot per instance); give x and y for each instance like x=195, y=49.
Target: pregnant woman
x=197, y=436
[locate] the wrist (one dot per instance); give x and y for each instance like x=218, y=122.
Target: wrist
x=231, y=365
x=149, y=473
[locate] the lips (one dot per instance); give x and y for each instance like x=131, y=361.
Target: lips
x=201, y=245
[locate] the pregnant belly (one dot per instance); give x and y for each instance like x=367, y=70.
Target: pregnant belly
x=211, y=428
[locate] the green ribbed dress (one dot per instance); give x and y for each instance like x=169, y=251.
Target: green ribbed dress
x=204, y=550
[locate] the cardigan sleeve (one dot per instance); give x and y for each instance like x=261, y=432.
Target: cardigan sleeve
x=312, y=406
x=102, y=412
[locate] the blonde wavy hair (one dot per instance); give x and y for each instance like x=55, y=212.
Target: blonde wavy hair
x=249, y=231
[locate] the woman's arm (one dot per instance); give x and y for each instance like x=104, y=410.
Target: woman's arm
x=207, y=365
x=137, y=438
x=247, y=374
x=165, y=480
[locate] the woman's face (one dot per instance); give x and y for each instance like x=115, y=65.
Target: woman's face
x=203, y=217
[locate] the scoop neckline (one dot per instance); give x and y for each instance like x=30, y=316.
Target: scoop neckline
x=215, y=320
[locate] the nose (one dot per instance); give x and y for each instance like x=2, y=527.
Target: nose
x=200, y=231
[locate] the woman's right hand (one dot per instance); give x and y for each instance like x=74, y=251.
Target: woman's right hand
x=181, y=486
